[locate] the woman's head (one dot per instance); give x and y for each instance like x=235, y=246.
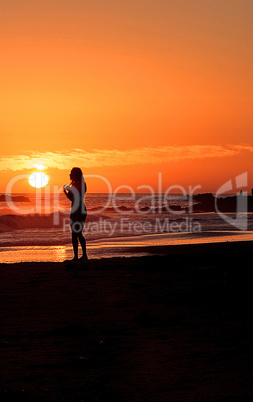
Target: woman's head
x=76, y=174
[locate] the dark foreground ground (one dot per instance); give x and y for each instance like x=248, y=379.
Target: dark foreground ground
x=176, y=327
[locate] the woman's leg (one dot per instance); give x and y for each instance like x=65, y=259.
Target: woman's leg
x=82, y=238
x=83, y=244
x=77, y=234
x=75, y=244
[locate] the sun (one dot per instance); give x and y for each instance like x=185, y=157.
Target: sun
x=38, y=179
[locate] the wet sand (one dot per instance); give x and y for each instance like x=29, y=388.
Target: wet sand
x=172, y=327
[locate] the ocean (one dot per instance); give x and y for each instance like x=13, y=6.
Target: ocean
x=36, y=228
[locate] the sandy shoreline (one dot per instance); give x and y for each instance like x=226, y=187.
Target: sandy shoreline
x=172, y=327
x=110, y=247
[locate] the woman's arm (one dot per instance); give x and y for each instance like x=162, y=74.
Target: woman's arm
x=68, y=193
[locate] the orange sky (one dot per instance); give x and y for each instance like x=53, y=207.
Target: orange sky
x=127, y=90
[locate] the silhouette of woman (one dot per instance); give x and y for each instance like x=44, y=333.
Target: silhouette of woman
x=75, y=193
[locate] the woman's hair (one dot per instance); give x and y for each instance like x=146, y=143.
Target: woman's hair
x=76, y=174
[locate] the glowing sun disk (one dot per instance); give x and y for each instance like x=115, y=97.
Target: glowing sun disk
x=38, y=179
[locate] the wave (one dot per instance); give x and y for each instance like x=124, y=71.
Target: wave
x=132, y=209
x=11, y=222
x=17, y=198
x=16, y=222
x=111, y=209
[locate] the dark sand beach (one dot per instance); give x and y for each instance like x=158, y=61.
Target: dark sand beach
x=171, y=327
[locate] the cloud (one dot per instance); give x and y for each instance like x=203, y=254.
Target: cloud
x=242, y=147
x=113, y=157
